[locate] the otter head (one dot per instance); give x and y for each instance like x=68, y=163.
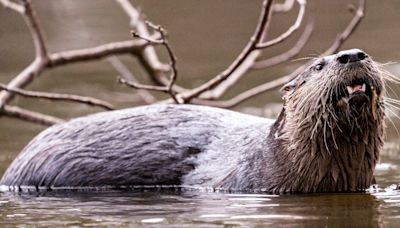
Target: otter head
x=331, y=126
x=348, y=81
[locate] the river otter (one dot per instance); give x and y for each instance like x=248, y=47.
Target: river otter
x=327, y=138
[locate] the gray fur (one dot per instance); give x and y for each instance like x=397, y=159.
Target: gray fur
x=158, y=144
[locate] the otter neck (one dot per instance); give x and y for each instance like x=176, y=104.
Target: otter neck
x=326, y=153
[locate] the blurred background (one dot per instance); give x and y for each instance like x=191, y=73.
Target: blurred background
x=206, y=36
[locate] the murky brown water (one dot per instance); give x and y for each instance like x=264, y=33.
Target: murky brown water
x=206, y=36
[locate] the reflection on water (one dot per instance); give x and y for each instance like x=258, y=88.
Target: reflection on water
x=77, y=24
x=188, y=208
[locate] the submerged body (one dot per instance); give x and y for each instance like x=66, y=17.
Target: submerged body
x=327, y=138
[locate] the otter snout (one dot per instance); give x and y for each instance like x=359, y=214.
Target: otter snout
x=352, y=55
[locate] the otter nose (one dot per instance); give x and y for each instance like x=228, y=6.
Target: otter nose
x=352, y=55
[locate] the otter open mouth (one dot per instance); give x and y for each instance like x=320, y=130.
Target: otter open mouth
x=356, y=88
x=357, y=93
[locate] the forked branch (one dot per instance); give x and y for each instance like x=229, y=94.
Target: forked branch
x=291, y=53
x=148, y=56
x=174, y=72
x=127, y=75
x=254, y=52
x=290, y=31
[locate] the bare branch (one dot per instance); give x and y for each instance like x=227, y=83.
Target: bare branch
x=35, y=29
x=158, y=76
x=30, y=116
x=12, y=5
x=148, y=39
x=142, y=86
x=290, y=31
x=294, y=51
x=22, y=79
x=229, y=82
x=94, y=53
x=251, y=92
x=128, y=76
x=58, y=97
x=286, y=6
x=237, y=63
x=66, y=57
x=172, y=57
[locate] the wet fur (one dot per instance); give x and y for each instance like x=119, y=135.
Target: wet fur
x=325, y=143
x=319, y=143
x=158, y=144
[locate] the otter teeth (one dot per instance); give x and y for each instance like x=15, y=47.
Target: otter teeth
x=354, y=88
x=364, y=87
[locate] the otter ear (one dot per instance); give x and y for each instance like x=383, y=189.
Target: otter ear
x=288, y=88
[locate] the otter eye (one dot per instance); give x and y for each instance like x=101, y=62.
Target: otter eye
x=319, y=66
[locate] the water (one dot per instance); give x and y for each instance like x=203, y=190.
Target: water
x=76, y=24
x=186, y=209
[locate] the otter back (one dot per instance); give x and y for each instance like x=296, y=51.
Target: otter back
x=158, y=144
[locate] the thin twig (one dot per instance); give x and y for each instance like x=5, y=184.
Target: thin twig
x=36, y=30
x=148, y=57
x=290, y=31
x=142, y=86
x=174, y=72
x=148, y=39
x=58, y=97
x=172, y=57
x=158, y=74
x=294, y=51
x=31, y=116
x=128, y=76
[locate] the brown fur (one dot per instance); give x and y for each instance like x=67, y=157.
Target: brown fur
x=322, y=141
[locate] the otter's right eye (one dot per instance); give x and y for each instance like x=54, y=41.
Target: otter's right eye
x=319, y=66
